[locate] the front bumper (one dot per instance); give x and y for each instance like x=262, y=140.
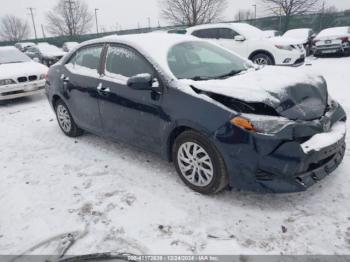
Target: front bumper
x=263, y=163
x=21, y=90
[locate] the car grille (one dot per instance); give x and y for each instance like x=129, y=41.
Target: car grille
x=325, y=47
x=24, y=79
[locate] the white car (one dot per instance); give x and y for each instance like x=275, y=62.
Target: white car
x=251, y=42
x=332, y=41
x=305, y=35
x=19, y=75
x=271, y=33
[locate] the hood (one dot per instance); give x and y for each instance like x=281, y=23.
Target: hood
x=288, y=91
x=281, y=40
x=54, y=54
x=15, y=70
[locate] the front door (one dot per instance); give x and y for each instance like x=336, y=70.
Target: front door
x=133, y=116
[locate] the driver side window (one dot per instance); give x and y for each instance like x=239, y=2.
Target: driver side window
x=123, y=63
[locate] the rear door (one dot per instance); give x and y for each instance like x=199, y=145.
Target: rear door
x=80, y=79
x=133, y=116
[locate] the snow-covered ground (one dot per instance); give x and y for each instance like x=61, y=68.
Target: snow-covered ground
x=116, y=198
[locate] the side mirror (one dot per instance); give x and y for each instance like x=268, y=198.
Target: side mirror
x=239, y=38
x=142, y=82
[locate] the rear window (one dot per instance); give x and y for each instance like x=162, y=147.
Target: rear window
x=12, y=55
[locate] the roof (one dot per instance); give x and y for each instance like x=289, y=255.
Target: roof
x=154, y=47
x=246, y=30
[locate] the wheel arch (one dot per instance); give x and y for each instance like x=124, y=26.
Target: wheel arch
x=175, y=132
x=262, y=51
x=55, y=99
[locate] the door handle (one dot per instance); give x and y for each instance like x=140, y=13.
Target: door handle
x=65, y=79
x=103, y=90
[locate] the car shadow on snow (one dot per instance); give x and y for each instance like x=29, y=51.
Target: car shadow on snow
x=163, y=171
x=22, y=100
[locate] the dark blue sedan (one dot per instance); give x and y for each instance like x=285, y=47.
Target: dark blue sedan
x=223, y=121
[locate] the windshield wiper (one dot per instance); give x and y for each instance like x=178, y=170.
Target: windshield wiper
x=200, y=78
x=14, y=62
x=231, y=73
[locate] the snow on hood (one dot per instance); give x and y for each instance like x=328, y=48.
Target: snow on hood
x=268, y=85
x=15, y=70
x=282, y=40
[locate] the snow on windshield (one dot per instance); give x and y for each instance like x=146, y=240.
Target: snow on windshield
x=249, y=31
x=12, y=55
x=335, y=31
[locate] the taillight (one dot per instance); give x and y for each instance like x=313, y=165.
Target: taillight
x=344, y=39
x=47, y=76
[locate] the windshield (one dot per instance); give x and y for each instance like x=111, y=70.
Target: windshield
x=249, y=31
x=12, y=55
x=202, y=61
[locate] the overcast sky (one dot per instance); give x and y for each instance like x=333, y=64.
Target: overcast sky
x=125, y=13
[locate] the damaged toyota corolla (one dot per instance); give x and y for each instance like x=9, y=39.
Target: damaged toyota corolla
x=224, y=122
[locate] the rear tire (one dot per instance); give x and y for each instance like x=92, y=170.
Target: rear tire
x=262, y=59
x=199, y=164
x=66, y=121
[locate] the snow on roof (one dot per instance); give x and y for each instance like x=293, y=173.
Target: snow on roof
x=154, y=47
x=246, y=30
x=335, y=31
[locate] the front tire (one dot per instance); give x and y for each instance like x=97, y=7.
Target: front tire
x=199, y=164
x=262, y=59
x=65, y=120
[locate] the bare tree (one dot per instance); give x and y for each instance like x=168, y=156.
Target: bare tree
x=69, y=17
x=244, y=15
x=192, y=12
x=13, y=28
x=288, y=8
x=328, y=17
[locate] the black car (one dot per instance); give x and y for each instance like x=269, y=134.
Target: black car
x=45, y=53
x=222, y=120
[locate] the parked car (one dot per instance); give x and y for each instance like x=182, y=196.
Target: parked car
x=271, y=33
x=305, y=35
x=250, y=42
x=19, y=75
x=221, y=119
x=23, y=46
x=45, y=53
x=68, y=46
x=334, y=40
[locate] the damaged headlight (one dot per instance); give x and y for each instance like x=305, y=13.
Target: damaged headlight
x=6, y=82
x=261, y=124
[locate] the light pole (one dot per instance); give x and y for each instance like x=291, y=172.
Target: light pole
x=96, y=9
x=255, y=12
x=149, y=22
x=32, y=14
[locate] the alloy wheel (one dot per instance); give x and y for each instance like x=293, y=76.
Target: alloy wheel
x=64, y=118
x=195, y=164
x=261, y=61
